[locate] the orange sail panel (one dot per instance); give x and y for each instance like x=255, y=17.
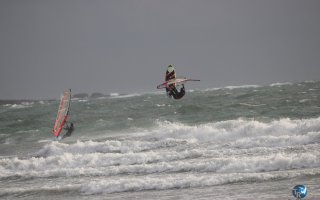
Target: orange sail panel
x=62, y=113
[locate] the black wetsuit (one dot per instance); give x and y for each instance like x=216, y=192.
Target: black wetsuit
x=175, y=94
x=172, y=90
x=69, y=129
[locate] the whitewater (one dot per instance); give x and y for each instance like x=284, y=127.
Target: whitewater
x=234, y=142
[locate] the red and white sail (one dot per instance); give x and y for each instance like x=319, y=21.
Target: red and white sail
x=63, y=112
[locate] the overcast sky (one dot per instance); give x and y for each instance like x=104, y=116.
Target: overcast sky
x=47, y=46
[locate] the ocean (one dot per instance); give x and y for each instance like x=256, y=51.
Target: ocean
x=237, y=142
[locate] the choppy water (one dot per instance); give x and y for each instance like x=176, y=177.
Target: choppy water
x=245, y=142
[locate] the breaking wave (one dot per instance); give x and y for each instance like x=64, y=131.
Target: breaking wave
x=234, y=146
x=280, y=84
x=184, y=181
x=243, y=133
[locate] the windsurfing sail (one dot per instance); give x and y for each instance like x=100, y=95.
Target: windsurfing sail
x=170, y=73
x=176, y=81
x=63, y=112
x=171, y=79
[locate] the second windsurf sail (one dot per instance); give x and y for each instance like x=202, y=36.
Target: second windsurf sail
x=63, y=112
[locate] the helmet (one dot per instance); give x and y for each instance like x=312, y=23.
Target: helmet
x=170, y=68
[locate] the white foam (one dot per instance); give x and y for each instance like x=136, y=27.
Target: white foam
x=241, y=148
x=70, y=165
x=245, y=133
x=36, y=188
x=221, y=147
x=108, y=146
x=103, y=185
x=309, y=81
x=114, y=94
x=304, y=100
x=125, y=96
x=19, y=106
x=242, y=87
x=44, y=141
x=233, y=87
x=280, y=84
x=212, y=89
x=29, y=131
x=75, y=163
x=8, y=141
x=252, y=105
x=82, y=100
x=164, y=182
x=254, y=86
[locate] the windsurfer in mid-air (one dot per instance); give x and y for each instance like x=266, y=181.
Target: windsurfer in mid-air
x=69, y=130
x=172, y=82
x=173, y=92
x=171, y=89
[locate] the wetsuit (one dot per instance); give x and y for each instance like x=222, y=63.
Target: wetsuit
x=69, y=129
x=173, y=92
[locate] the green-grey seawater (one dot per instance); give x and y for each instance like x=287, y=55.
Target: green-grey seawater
x=141, y=145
